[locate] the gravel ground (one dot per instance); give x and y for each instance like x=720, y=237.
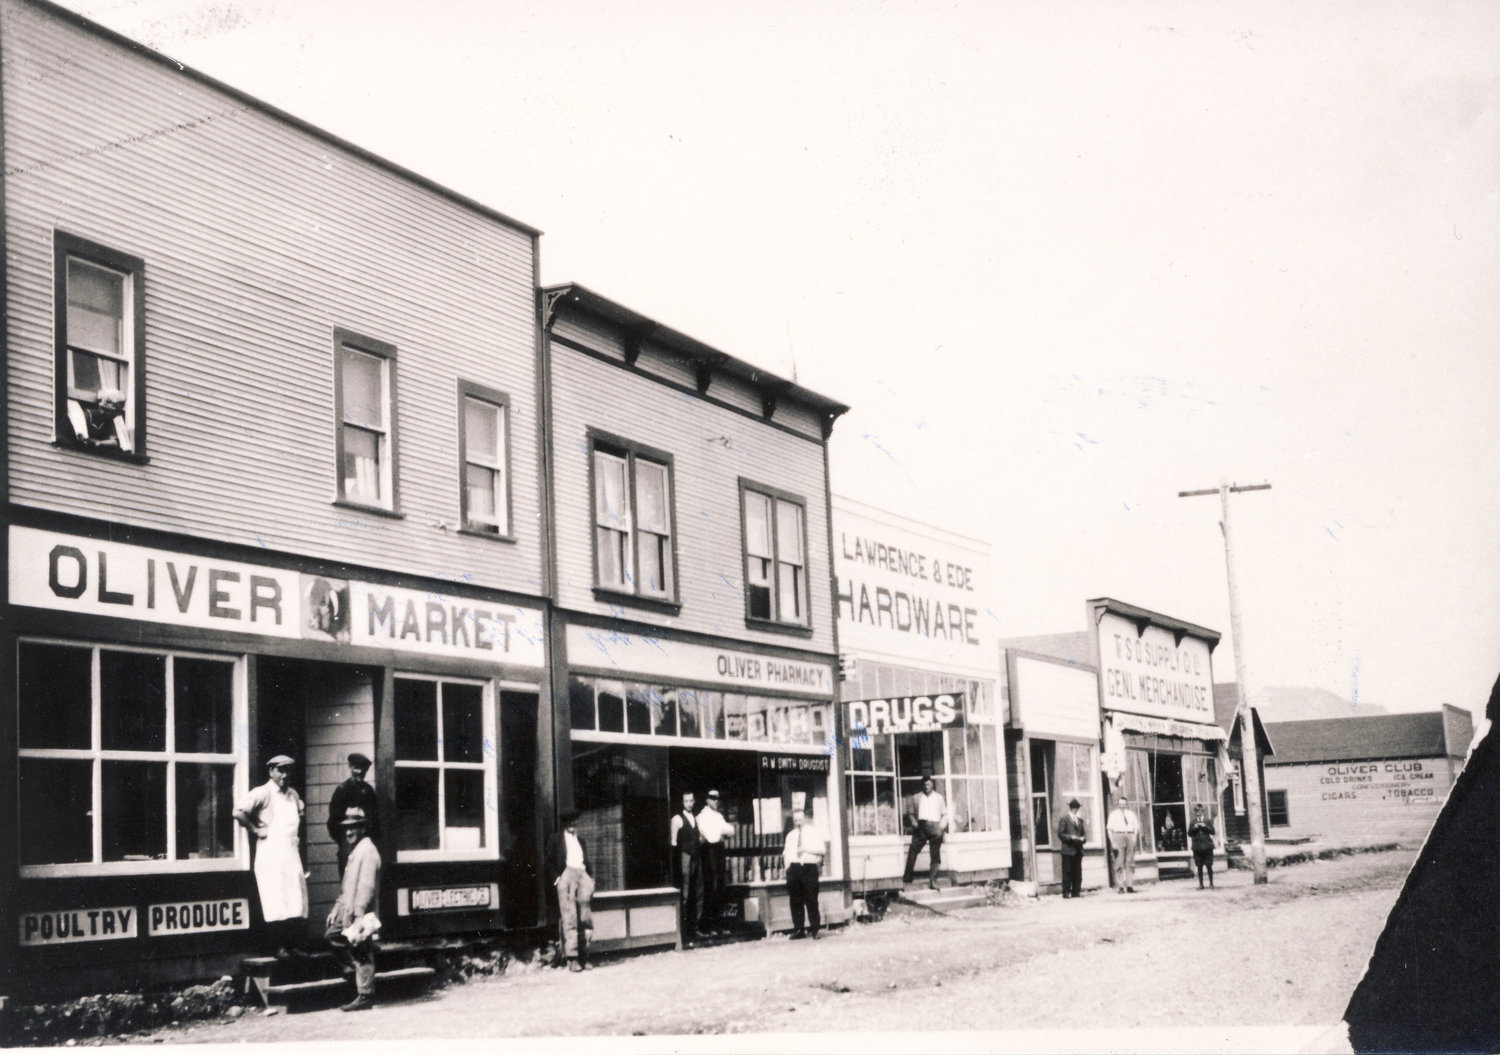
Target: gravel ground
x=1170, y=968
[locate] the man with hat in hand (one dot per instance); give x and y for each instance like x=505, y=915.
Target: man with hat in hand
x=272, y=813
x=568, y=868
x=358, y=894
x=1072, y=834
x=352, y=792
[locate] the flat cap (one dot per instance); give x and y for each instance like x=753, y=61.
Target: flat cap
x=280, y=760
x=359, y=761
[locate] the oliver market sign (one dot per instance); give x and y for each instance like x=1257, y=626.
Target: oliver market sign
x=91, y=576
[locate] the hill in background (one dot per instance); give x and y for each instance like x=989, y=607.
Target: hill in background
x=1295, y=703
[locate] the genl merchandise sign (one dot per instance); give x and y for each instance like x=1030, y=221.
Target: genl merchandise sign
x=905, y=714
x=1152, y=672
x=70, y=573
x=911, y=592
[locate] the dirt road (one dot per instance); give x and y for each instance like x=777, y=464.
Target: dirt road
x=1171, y=958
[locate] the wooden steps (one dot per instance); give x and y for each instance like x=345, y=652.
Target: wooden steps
x=280, y=982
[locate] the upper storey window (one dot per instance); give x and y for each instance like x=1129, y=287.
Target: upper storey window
x=365, y=387
x=775, y=556
x=634, y=552
x=100, y=298
x=485, y=456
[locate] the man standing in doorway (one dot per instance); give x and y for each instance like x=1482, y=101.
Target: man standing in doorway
x=931, y=814
x=686, y=845
x=353, y=792
x=1072, y=833
x=803, y=857
x=1123, y=830
x=568, y=868
x=272, y=814
x=712, y=828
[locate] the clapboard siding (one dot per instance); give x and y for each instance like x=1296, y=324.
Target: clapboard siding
x=259, y=238
x=1363, y=801
x=588, y=394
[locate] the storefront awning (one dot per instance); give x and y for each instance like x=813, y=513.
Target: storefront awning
x=1140, y=723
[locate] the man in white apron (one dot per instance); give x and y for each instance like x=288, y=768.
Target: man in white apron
x=272, y=813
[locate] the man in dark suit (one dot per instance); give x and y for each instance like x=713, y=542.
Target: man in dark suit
x=1072, y=834
x=568, y=868
x=353, y=792
x=687, y=847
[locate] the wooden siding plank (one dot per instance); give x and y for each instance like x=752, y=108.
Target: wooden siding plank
x=258, y=239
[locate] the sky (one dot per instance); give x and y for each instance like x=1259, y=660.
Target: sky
x=1063, y=260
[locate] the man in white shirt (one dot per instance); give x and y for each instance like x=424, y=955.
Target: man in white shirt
x=687, y=845
x=931, y=814
x=1123, y=830
x=568, y=867
x=712, y=828
x=803, y=856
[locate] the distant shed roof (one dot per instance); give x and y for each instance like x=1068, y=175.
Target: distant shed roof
x=1424, y=735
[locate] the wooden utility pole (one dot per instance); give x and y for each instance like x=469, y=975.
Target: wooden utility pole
x=1248, y=767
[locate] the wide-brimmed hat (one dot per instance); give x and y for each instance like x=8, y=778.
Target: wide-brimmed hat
x=354, y=815
x=280, y=760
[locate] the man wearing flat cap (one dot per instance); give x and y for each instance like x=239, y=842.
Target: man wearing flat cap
x=1072, y=834
x=573, y=878
x=272, y=813
x=352, y=792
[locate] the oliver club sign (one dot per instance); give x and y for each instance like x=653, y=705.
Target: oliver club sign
x=94, y=577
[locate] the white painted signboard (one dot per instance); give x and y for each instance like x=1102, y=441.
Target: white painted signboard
x=74, y=574
x=912, y=593
x=626, y=654
x=1152, y=673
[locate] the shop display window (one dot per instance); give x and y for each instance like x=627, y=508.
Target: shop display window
x=1166, y=786
x=643, y=709
x=445, y=789
x=128, y=759
x=884, y=772
x=627, y=793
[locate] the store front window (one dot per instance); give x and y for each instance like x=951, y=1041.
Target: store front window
x=127, y=759
x=626, y=795
x=685, y=714
x=1168, y=785
x=1060, y=772
x=885, y=770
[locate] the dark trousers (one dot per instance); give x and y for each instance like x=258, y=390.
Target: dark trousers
x=927, y=832
x=1072, y=875
x=362, y=958
x=690, y=875
x=1204, y=859
x=713, y=884
x=802, y=888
